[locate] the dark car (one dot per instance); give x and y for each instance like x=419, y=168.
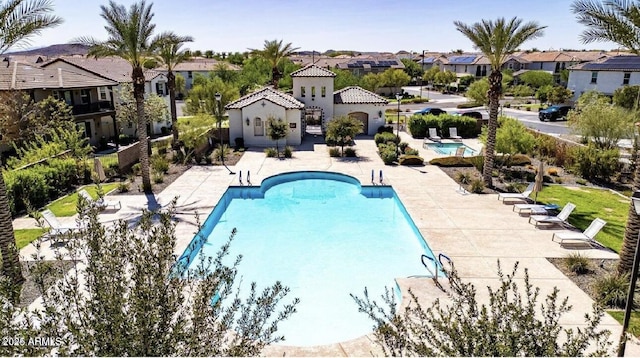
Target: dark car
x=472, y=114
x=431, y=110
x=554, y=113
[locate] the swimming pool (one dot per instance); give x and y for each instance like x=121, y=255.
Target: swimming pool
x=450, y=148
x=324, y=236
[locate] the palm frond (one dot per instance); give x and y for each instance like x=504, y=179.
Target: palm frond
x=22, y=19
x=168, y=50
x=613, y=20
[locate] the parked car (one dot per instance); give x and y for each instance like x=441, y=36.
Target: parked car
x=554, y=113
x=472, y=114
x=431, y=110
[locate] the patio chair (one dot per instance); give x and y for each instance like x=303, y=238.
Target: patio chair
x=433, y=135
x=460, y=151
x=535, y=209
x=101, y=203
x=561, y=218
x=524, y=196
x=57, y=229
x=587, y=236
x=453, y=134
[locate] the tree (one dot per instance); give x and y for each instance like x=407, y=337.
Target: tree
x=130, y=39
x=181, y=84
x=537, y=79
x=478, y=92
x=255, y=72
x=20, y=19
x=512, y=138
x=445, y=78
x=343, y=129
x=542, y=94
x=412, y=68
x=275, y=52
x=155, y=108
x=627, y=97
x=559, y=94
x=430, y=74
x=170, y=55
x=600, y=122
x=113, y=303
x=225, y=73
x=344, y=78
x=496, y=40
x=201, y=98
x=395, y=78
x=208, y=54
x=522, y=91
x=616, y=21
x=513, y=323
x=277, y=130
x=372, y=81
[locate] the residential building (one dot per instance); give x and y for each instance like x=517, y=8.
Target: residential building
x=87, y=94
x=361, y=66
x=198, y=66
x=604, y=75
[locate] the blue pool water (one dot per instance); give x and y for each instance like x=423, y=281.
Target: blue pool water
x=450, y=148
x=323, y=235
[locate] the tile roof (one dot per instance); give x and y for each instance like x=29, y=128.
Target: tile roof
x=312, y=71
x=357, y=95
x=201, y=65
x=616, y=63
x=113, y=68
x=372, y=62
x=22, y=76
x=269, y=94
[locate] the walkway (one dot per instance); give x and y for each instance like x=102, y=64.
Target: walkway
x=474, y=230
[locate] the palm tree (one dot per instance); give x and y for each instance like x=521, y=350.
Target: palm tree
x=496, y=40
x=19, y=20
x=616, y=21
x=130, y=38
x=170, y=55
x=275, y=53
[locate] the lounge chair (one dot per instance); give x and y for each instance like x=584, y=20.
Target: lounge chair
x=57, y=229
x=588, y=235
x=535, y=209
x=561, y=218
x=453, y=133
x=460, y=151
x=433, y=135
x=518, y=196
x=101, y=203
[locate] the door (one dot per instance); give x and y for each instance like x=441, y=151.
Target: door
x=362, y=117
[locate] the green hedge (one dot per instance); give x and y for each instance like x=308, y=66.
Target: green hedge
x=385, y=137
x=419, y=125
x=411, y=160
x=40, y=184
x=451, y=162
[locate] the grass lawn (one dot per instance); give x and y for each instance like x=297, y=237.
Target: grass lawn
x=590, y=204
x=25, y=236
x=66, y=206
x=634, y=322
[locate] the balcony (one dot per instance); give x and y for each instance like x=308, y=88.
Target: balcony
x=94, y=107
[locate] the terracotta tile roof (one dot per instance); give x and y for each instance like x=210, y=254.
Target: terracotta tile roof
x=22, y=76
x=113, y=68
x=357, y=95
x=202, y=65
x=268, y=94
x=312, y=71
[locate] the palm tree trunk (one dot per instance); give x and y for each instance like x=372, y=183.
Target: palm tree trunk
x=275, y=77
x=138, y=94
x=10, y=262
x=171, y=83
x=631, y=231
x=495, y=90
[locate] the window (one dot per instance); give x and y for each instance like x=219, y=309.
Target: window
x=313, y=91
x=323, y=91
x=557, y=67
x=594, y=77
x=258, y=128
x=627, y=76
x=190, y=74
x=302, y=91
x=102, y=93
x=484, y=70
x=85, y=96
x=540, y=65
x=465, y=68
x=63, y=95
x=160, y=89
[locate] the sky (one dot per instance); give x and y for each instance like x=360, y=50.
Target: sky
x=359, y=25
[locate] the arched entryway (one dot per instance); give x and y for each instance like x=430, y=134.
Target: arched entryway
x=364, y=118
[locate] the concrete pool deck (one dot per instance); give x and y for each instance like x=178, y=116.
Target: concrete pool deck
x=473, y=230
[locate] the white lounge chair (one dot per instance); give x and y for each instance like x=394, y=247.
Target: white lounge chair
x=57, y=229
x=453, y=133
x=101, y=203
x=460, y=151
x=561, y=218
x=433, y=135
x=535, y=209
x=588, y=235
x=518, y=196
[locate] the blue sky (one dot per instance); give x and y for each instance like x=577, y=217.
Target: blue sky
x=362, y=25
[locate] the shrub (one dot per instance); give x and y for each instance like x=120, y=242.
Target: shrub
x=417, y=127
x=516, y=160
x=385, y=137
x=581, y=181
x=468, y=105
x=239, y=142
x=411, y=151
x=388, y=153
x=334, y=152
x=158, y=177
x=477, y=161
x=159, y=164
x=403, y=146
x=26, y=187
x=349, y=152
x=271, y=152
x=224, y=150
x=383, y=128
x=463, y=177
x=451, y=162
x=411, y=160
x=123, y=187
x=577, y=263
x=477, y=186
x=553, y=172
x=136, y=169
x=611, y=290
x=288, y=152
x=596, y=163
